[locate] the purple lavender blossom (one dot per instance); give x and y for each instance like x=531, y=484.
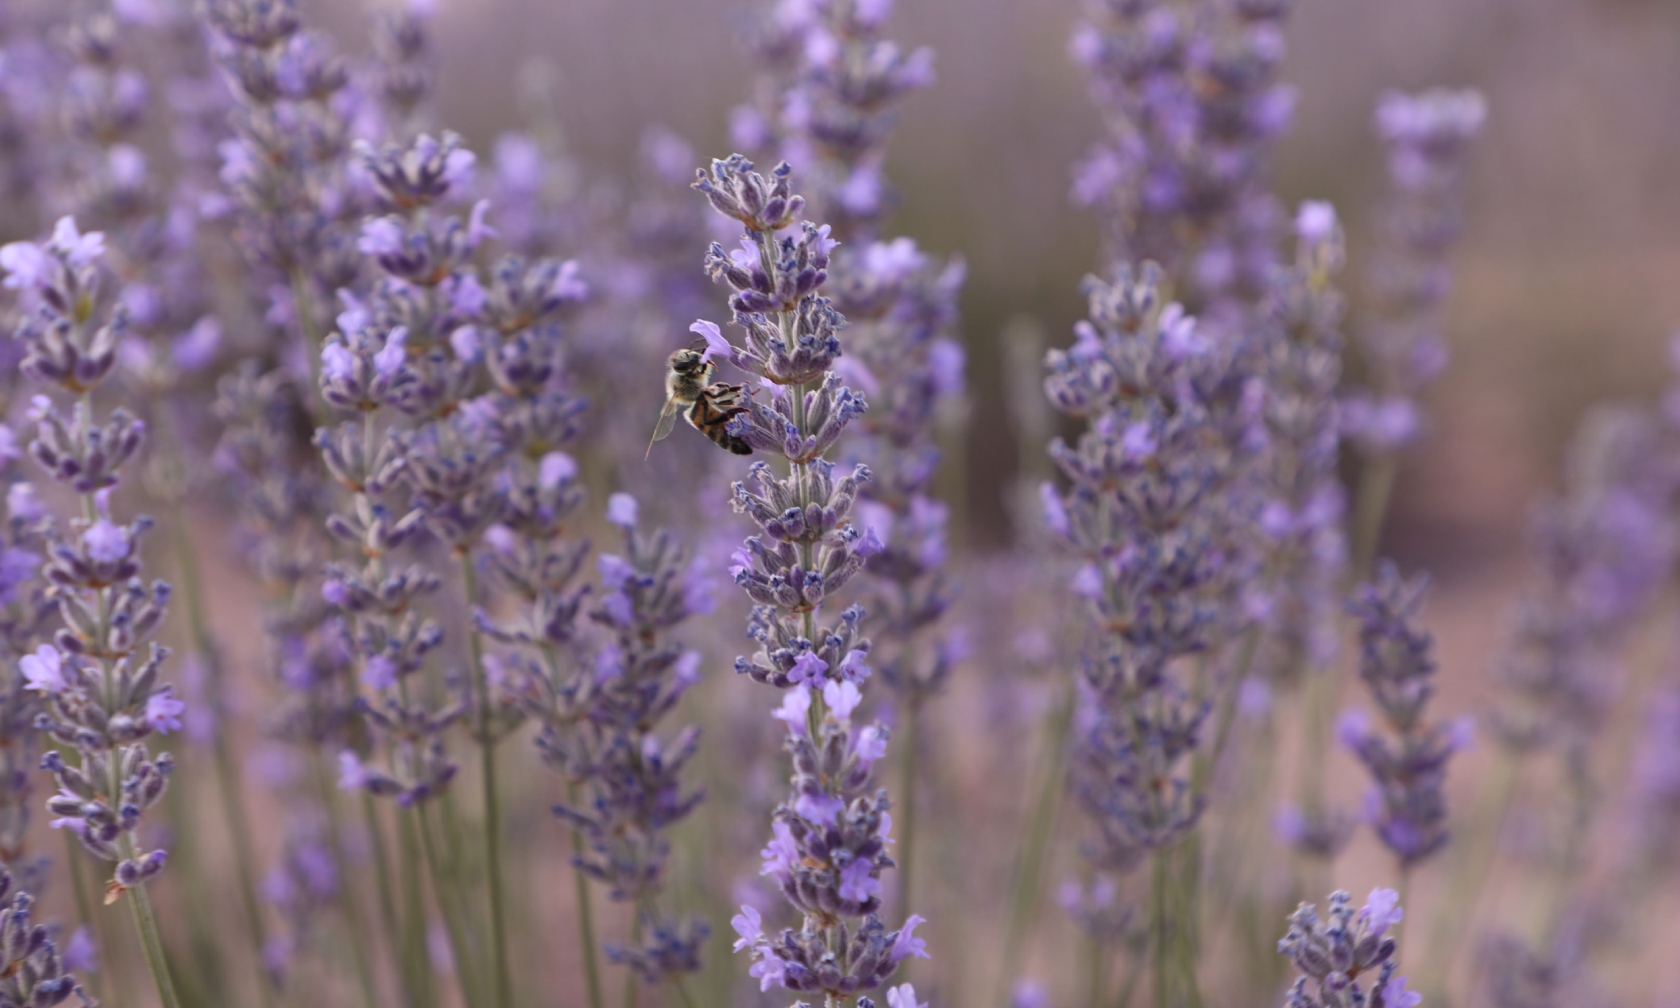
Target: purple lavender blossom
x=1428, y=136
x=1349, y=960
x=807, y=551
x=1397, y=663
x=71, y=342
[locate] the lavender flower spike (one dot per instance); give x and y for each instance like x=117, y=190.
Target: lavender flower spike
x=101, y=678
x=1337, y=959
x=1396, y=662
x=828, y=848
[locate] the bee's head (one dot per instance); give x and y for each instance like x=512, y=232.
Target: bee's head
x=686, y=361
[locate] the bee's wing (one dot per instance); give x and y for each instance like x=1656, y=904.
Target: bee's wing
x=662, y=430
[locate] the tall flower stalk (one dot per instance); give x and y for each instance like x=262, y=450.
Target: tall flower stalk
x=1151, y=512
x=100, y=677
x=1428, y=135
x=828, y=848
x=844, y=80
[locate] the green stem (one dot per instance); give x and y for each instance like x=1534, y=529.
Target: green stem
x=1470, y=877
x=450, y=914
x=1030, y=861
x=95, y=922
x=1370, y=511
x=492, y=800
x=235, y=811
x=585, y=914
x=630, y=977
x=346, y=892
x=145, y=923
x=387, y=905
x=414, y=908
x=907, y=815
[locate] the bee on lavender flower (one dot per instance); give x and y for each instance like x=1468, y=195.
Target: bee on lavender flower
x=709, y=406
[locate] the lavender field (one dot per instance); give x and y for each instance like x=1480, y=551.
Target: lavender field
x=843, y=503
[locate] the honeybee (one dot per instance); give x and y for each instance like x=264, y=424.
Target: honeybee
x=708, y=407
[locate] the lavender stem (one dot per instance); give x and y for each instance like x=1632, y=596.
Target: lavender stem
x=492, y=801
x=145, y=922
x=585, y=912
x=447, y=908
x=907, y=807
x=1370, y=511
x=347, y=892
x=234, y=811
x=388, y=906
x=1030, y=863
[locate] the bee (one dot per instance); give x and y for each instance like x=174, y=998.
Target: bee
x=708, y=407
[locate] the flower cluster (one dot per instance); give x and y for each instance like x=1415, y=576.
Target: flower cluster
x=601, y=730
x=1191, y=96
x=32, y=971
x=1337, y=958
x=1428, y=137
x=835, y=79
x=100, y=678
x=829, y=848
x=1396, y=662
x=1301, y=519
x=1601, y=551
x=1148, y=509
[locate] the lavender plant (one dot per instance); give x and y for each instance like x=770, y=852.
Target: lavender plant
x=32, y=970
x=844, y=79
x=1428, y=137
x=830, y=834
x=1408, y=806
x=100, y=676
x=1150, y=510
x=1337, y=957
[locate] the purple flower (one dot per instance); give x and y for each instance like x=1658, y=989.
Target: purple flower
x=466, y=344
x=43, y=671
x=163, y=711
x=392, y=356
x=716, y=345
x=821, y=807
x=615, y=570
x=1395, y=994
x=870, y=745
x=622, y=510
x=1315, y=222
x=568, y=283
x=780, y=854
x=106, y=543
x=853, y=667
x=80, y=249
x=808, y=668
x=749, y=925
x=381, y=236
x=842, y=698
x=380, y=673
x=352, y=775
x=906, y=944
x=81, y=955
x=1382, y=910
x=557, y=467
x=904, y=996
x=768, y=971
x=337, y=362
x=856, y=883
x=477, y=228
x=26, y=265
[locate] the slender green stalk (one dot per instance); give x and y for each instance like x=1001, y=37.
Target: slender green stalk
x=1095, y=981
x=1031, y=861
x=145, y=923
x=451, y=917
x=414, y=909
x=907, y=810
x=1370, y=511
x=235, y=812
x=630, y=986
x=492, y=802
x=95, y=922
x=346, y=892
x=585, y=914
